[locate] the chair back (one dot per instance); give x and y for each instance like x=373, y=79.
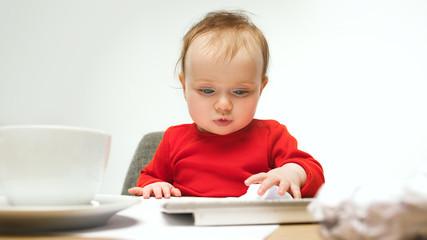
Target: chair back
x=143, y=155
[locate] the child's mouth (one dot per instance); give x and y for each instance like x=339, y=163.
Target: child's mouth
x=222, y=122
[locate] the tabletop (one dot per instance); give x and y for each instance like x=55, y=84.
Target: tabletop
x=145, y=221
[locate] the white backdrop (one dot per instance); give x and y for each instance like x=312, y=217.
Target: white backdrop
x=348, y=78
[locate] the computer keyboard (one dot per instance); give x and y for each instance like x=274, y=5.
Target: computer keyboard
x=237, y=211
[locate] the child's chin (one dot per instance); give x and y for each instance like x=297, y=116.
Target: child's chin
x=213, y=131
x=223, y=131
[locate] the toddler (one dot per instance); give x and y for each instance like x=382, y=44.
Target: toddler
x=224, y=62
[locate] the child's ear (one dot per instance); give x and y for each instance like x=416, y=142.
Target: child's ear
x=263, y=84
x=181, y=79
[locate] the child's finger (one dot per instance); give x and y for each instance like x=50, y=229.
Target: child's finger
x=166, y=189
x=256, y=178
x=157, y=191
x=283, y=187
x=176, y=192
x=146, y=192
x=135, y=191
x=266, y=184
x=132, y=190
x=295, y=191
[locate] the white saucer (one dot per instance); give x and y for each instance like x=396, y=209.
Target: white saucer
x=101, y=209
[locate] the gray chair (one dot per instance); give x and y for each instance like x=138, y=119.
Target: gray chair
x=143, y=155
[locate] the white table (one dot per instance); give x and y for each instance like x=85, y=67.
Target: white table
x=146, y=221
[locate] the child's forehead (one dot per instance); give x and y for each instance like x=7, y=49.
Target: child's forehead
x=223, y=47
x=207, y=59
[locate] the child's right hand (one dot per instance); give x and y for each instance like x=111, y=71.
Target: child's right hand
x=157, y=189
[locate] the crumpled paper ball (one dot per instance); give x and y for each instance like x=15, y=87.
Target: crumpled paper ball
x=386, y=209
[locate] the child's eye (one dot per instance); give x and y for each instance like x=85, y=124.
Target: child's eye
x=207, y=91
x=240, y=92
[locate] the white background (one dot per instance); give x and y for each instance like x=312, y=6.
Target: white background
x=348, y=78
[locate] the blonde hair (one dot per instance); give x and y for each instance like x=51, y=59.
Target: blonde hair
x=232, y=29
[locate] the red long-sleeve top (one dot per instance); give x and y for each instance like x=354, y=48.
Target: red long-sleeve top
x=209, y=165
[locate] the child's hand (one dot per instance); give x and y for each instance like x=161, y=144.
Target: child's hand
x=157, y=189
x=290, y=178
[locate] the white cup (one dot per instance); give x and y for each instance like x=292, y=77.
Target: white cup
x=51, y=165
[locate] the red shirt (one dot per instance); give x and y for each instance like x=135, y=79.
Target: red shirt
x=210, y=165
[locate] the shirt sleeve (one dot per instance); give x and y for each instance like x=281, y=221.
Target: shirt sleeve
x=159, y=168
x=285, y=150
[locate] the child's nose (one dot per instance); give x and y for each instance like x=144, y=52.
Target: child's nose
x=223, y=104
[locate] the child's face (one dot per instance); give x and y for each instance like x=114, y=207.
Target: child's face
x=222, y=94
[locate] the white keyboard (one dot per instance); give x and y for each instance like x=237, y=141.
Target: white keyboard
x=237, y=211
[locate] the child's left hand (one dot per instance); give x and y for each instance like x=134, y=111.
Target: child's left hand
x=290, y=178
